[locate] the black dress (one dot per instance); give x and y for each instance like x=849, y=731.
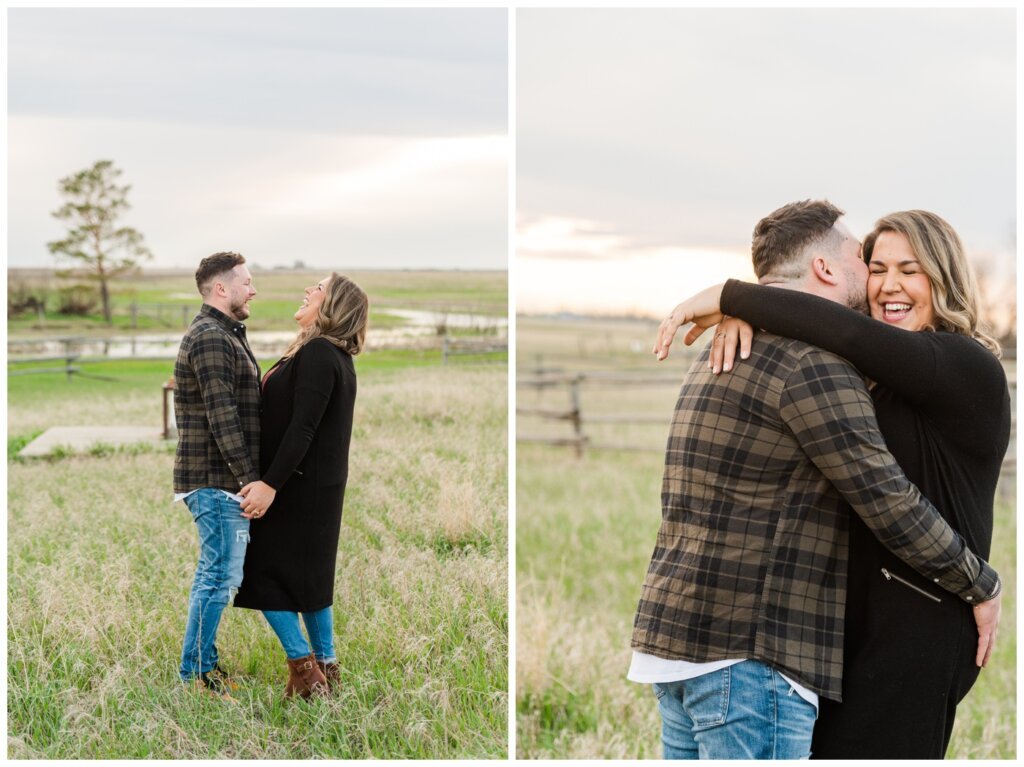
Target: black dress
x=944, y=409
x=306, y=424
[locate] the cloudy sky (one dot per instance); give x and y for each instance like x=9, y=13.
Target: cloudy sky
x=340, y=137
x=650, y=142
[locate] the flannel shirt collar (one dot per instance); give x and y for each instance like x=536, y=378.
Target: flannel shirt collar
x=228, y=322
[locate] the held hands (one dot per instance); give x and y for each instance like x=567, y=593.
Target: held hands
x=258, y=496
x=986, y=615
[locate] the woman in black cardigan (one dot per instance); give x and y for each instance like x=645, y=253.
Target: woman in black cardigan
x=911, y=653
x=306, y=425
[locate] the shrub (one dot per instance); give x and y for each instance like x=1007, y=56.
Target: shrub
x=78, y=300
x=24, y=297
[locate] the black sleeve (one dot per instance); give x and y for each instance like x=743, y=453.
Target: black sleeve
x=315, y=378
x=932, y=371
x=827, y=409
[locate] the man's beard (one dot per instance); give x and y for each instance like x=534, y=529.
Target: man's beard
x=857, y=296
x=239, y=310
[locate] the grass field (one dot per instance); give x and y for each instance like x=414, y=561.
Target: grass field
x=279, y=293
x=100, y=563
x=585, y=529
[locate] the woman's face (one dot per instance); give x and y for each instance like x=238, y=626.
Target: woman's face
x=314, y=296
x=899, y=292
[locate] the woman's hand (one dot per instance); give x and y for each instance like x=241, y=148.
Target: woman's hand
x=702, y=309
x=258, y=496
x=731, y=334
x=986, y=615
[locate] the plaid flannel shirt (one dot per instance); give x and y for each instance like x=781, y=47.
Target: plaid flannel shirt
x=761, y=469
x=216, y=406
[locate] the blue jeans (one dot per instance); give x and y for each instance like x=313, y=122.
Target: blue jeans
x=223, y=536
x=744, y=711
x=319, y=626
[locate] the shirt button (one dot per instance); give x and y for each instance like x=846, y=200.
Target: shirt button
x=969, y=599
x=936, y=580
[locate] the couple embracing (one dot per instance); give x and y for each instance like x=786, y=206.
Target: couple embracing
x=261, y=464
x=774, y=622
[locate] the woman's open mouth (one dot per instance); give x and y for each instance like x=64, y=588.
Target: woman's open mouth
x=894, y=312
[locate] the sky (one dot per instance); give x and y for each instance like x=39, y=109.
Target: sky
x=343, y=138
x=649, y=142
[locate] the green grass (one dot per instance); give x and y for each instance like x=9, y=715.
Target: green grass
x=279, y=294
x=100, y=563
x=585, y=529
x=44, y=399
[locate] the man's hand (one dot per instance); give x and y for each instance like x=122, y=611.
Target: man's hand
x=258, y=496
x=986, y=615
x=701, y=309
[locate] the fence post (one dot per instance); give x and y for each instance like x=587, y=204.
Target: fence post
x=135, y=315
x=577, y=419
x=444, y=350
x=184, y=316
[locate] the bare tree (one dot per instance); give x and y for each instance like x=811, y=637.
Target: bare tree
x=94, y=204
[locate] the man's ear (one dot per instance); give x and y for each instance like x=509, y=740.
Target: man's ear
x=823, y=272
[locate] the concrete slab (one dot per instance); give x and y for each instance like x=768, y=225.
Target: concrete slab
x=80, y=439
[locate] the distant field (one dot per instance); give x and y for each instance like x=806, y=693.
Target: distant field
x=279, y=293
x=585, y=529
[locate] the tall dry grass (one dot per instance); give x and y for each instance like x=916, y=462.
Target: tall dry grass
x=100, y=563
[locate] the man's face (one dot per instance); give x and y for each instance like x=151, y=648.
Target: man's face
x=852, y=270
x=240, y=291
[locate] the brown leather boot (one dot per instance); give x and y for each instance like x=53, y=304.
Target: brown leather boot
x=332, y=672
x=305, y=678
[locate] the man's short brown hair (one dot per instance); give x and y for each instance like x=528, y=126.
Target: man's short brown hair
x=213, y=266
x=782, y=235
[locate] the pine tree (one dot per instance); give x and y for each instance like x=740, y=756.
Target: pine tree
x=94, y=204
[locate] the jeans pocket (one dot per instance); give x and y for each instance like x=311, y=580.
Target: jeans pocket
x=706, y=698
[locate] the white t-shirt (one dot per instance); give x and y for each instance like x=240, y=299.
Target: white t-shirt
x=183, y=496
x=648, y=669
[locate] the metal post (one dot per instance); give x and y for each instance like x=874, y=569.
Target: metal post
x=135, y=315
x=444, y=350
x=184, y=316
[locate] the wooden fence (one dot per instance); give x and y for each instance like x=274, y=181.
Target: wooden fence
x=574, y=416
x=166, y=315
x=456, y=349
x=577, y=418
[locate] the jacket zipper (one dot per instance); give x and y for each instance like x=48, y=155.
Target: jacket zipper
x=892, y=576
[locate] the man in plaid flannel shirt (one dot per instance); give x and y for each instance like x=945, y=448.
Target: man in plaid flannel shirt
x=740, y=622
x=217, y=408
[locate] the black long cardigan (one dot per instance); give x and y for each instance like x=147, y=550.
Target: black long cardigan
x=944, y=409
x=308, y=402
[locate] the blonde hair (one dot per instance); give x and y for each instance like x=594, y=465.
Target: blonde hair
x=341, y=318
x=938, y=249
